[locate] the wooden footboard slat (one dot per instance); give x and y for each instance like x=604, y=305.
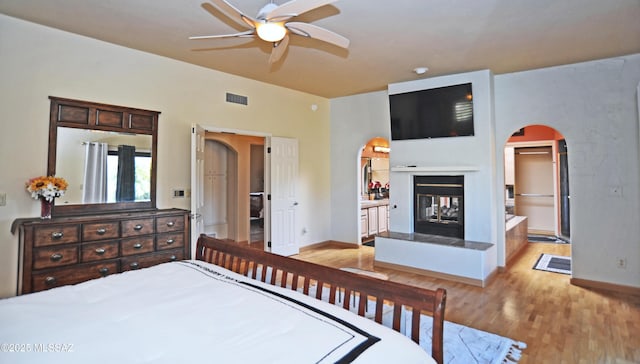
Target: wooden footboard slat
x=359, y=288
x=305, y=286
x=397, y=313
x=379, y=307
x=332, y=294
x=347, y=298
x=362, y=302
x=319, y=288
x=415, y=324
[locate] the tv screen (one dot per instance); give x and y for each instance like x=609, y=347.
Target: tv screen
x=433, y=113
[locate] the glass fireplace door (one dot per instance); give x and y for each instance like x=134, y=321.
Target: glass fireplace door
x=438, y=208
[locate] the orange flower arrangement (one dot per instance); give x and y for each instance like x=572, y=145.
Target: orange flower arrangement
x=47, y=187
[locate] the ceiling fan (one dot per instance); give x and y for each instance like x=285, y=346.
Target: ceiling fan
x=272, y=24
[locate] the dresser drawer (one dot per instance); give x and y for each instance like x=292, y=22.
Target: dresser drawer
x=99, y=231
x=55, y=257
x=170, y=223
x=77, y=274
x=137, y=227
x=100, y=251
x=169, y=241
x=149, y=260
x=58, y=234
x=136, y=245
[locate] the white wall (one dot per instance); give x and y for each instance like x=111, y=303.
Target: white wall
x=36, y=62
x=594, y=105
x=354, y=121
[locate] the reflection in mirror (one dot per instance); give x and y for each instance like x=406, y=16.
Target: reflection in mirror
x=103, y=167
x=374, y=170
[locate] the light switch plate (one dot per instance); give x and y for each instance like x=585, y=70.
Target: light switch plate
x=3, y=199
x=178, y=193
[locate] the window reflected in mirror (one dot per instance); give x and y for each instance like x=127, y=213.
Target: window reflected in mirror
x=104, y=167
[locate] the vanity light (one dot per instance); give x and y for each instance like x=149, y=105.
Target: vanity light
x=380, y=149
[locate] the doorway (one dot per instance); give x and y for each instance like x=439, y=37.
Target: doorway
x=373, y=189
x=536, y=188
x=240, y=181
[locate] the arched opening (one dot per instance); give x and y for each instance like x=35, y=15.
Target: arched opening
x=373, y=187
x=219, y=192
x=536, y=187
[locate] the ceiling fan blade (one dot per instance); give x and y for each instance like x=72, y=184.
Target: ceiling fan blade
x=241, y=34
x=295, y=8
x=279, y=49
x=234, y=13
x=316, y=32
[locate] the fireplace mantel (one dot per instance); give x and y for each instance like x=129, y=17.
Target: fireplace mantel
x=440, y=169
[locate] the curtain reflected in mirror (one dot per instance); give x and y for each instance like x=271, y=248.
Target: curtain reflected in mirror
x=103, y=167
x=95, y=173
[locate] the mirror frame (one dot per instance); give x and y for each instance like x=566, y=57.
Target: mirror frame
x=70, y=113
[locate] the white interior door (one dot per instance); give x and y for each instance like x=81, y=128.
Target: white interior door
x=197, y=185
x=283, y=162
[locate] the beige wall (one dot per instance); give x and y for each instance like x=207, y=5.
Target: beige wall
x=36, y=62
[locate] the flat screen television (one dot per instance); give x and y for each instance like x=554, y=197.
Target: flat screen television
x=432, y=113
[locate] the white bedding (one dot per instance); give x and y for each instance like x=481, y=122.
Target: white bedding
x=190, y=312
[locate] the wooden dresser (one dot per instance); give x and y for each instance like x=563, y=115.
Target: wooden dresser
x=74, y=249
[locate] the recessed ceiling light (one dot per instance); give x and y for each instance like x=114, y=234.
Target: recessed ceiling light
x=420, y=70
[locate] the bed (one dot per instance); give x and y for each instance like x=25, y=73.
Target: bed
x=230, y=305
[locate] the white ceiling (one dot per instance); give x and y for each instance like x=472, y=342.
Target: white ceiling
x=388, y=38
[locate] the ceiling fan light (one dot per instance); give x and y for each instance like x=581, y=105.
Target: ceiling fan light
x=271, y=32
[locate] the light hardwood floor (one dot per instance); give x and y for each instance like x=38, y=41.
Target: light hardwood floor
x=559, y=322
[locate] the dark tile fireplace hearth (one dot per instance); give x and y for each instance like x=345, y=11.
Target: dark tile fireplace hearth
x=439, y=205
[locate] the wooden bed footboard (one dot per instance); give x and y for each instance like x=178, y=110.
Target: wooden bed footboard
x=300, y=275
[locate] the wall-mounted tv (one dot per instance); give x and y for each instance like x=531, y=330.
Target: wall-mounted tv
x=432, y=113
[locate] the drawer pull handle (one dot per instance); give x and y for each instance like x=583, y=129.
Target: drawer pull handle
x=173, y=257
x=104, y=271
x=137, y=227
x=134, y=265
x=170, y=224
x=56, y=257
x=170, y=241
x=50, y=281
x=101, y=231
x=57, y=235
x=100, y=251
x=137, y=246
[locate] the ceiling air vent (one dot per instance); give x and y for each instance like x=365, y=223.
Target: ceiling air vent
x=237, y=99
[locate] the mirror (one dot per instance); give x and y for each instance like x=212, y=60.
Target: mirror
x=94, y=158
x=106, y=153
x=375, y=171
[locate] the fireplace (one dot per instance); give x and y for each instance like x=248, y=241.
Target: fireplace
x=439, y=205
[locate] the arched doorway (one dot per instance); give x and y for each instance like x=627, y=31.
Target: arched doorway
x=373, y=186
x=536, y=187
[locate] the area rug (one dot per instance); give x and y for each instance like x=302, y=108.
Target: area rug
x=464, y=345
x=554, y=263
x=532, y=238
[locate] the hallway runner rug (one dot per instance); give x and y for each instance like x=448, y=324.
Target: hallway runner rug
x=554, y=263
